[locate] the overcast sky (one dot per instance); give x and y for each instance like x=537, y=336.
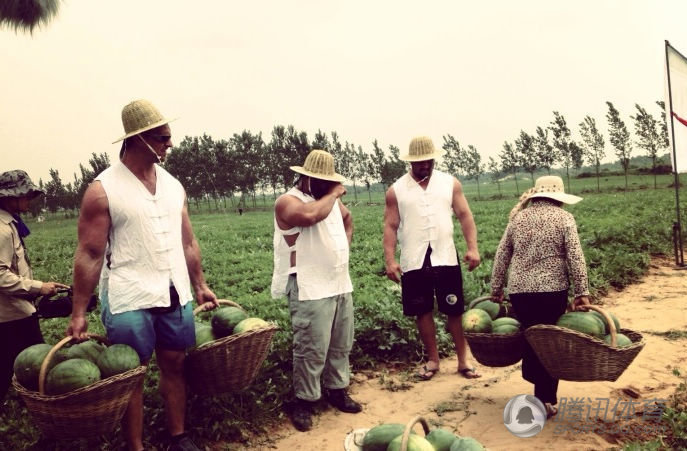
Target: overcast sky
x=386, y=70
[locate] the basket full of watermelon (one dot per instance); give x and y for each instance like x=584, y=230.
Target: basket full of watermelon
x=585, y=346
x=77, y=391
x=493, y=334
x=229, y=350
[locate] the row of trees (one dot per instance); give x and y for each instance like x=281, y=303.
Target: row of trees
x=248, y=164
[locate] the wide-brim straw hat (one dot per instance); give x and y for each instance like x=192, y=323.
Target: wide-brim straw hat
x=140, y=116
x=17, y=183
x=421, y=148
x=319, y=164
x=551, y=186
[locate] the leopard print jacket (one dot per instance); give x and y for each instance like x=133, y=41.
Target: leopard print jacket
x=542, y=249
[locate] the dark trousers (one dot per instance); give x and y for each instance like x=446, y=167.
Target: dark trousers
x=532, y=309
x=15, y=336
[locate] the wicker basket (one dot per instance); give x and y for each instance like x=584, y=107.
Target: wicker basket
x=573, y=356
x=495, y=350
x=228, y=364
x=87, y=412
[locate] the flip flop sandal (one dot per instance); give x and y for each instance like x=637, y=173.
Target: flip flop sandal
x=427, y=373
x=465, y=372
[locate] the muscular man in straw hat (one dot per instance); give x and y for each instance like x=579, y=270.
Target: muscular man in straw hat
x=19, y=327
x=419, y=213
x=136, y=241
x=312, y=235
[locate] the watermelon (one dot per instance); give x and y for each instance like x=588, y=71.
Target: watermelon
x=491, y=307
x=379, y=437
x=415, y=443
x=505, y=321
x=476, y=321
x=466, y=444
x=117, y=359
x=27, y=365
x=603, y=320
x=89, y=350
x=204, y=334
x=250, y=324
x=441, y=439
x=582, y=322
x=622, y=340
x=70, y=375
x=505, y=329
x=225, y=319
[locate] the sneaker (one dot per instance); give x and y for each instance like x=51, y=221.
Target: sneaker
x=339, y=398
x=185, y=444
x=301, y=415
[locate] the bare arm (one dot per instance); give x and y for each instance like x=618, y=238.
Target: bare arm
x=347, y=221
x=193, y=260
x=467, y=224
x=93, y=228
x=392, y=219
x=293, y=212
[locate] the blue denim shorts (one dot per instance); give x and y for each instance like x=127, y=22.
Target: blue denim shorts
x=145, y=330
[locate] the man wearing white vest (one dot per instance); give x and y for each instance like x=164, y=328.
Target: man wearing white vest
x=312, y=236
x=137, y=243
x=419, y=214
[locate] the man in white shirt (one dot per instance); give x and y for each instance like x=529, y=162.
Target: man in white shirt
x=137, y=243
x=419, y=213
x=312, y=236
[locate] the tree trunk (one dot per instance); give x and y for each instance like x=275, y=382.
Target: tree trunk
x=515, y=176
x=478, y=194
x=567, y=175
x=355, y=191
x=653, y=169
x=369, y=194
x=598, y=178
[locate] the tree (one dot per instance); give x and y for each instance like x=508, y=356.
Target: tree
x=494, y=173
x=55, y=192
x=394, y=167
x=473, y=165
x=510, y=162
x=664, y=125
x=27, y=14
x=364, y=169
x=377, y=162
x=346, y=165
x=650, y=139
x=452, y=160
x=545, y=153
x=619, y=137
x=526, y=153
x=321, y=141
x=562, y=141
x=97, y=164
x=593, y=146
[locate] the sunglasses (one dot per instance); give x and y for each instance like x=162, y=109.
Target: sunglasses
x=159, y=138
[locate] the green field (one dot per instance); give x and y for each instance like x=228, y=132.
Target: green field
x=619, y=232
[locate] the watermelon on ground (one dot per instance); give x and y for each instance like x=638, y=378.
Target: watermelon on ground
x=117, y=359
x=27, y=365
x=441, y=439
x=415, y=443
x=379, y=437
x=70, y=375
x=467, y=444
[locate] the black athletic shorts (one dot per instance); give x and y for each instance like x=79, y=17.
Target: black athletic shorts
x=420, y=286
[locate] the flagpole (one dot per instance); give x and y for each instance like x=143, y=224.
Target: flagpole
x=679, y=258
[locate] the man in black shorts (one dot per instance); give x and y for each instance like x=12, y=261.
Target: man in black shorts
x=418, y=214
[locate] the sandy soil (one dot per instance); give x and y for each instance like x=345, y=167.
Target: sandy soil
x=475, y=407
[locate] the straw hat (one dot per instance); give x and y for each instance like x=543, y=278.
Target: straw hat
x=17, y=184
x=140, y=116
x=421, y=148
x=551, y=186
x=320, y=165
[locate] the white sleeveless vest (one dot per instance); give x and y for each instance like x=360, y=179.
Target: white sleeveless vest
x=321, y=257
x=426, y=220
x=144, y=251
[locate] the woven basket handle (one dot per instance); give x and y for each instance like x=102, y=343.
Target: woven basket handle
x=204, y=307
x=48, y=358
x=474, y=302
x=409, y=428
x=608, y=319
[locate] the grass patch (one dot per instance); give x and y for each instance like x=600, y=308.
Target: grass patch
x=672, y=334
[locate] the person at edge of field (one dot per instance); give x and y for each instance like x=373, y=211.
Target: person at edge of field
x=312, y=236
x=539, y=250
x=418, y=214
x=19, y=326
x=136, y=241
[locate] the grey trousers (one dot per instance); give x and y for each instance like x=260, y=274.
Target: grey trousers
x=322, y=341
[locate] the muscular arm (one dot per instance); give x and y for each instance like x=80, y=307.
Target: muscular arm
x=467, y=224
x=392, y=219
x=193, y=260
x=293, y=212
x=347, y=221
x=93, y=228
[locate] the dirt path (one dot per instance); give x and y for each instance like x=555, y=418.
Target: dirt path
x=475, y=408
